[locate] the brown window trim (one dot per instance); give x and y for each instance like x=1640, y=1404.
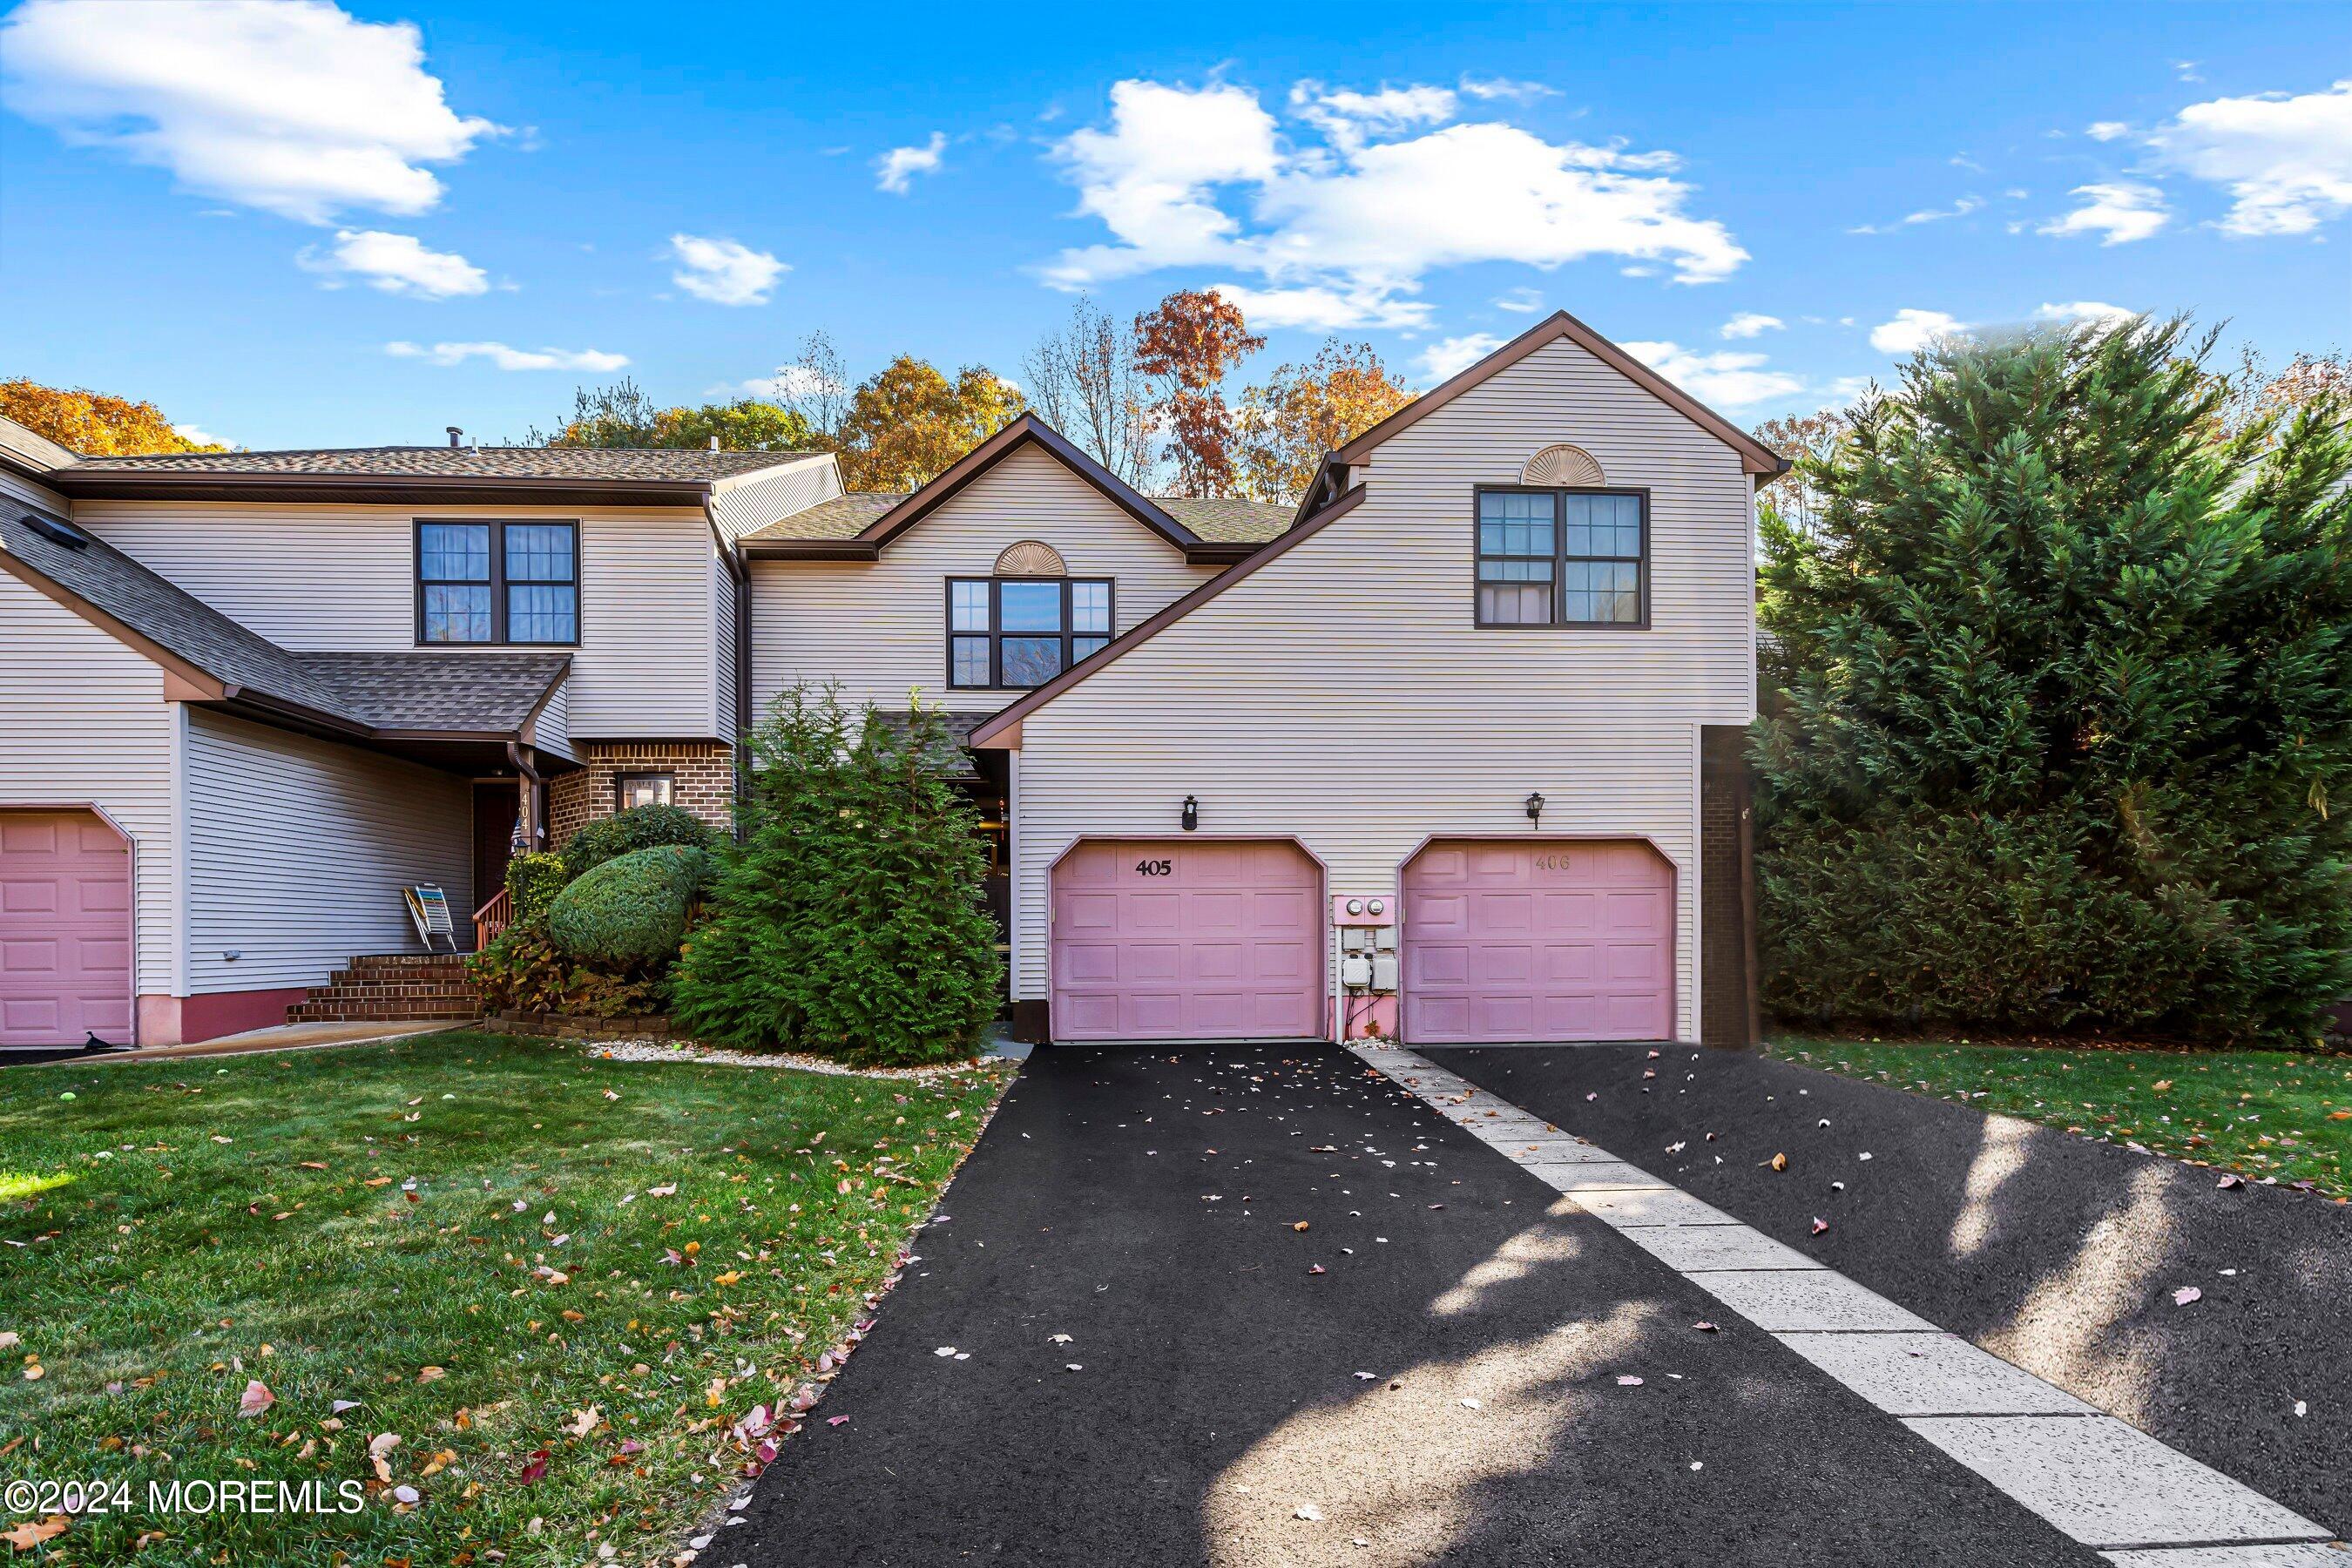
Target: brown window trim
x=621, y=783
x=1560, y=559
x=497, y=579
x=996, y=633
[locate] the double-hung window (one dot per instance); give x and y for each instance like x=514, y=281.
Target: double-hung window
x=1014, y=632
x=494, y=581
x=1563, y=557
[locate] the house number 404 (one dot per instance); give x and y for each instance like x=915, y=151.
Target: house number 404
x=1155, y=868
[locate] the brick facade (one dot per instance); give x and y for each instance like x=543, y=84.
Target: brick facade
x=704, y=771
x=1725, y=903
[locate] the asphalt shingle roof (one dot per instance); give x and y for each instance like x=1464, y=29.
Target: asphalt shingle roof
x=842, y=517
x=677, y=464
x=1227, y=521
x=424, y=688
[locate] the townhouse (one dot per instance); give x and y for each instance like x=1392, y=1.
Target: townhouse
x=1450, y=748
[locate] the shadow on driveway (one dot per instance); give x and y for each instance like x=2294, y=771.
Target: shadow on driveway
x=2054, y=1252
x=1146, y=1206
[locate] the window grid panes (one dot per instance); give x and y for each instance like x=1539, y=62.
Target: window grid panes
x=1560, y=558
x=1015, y=632
x=497, y=583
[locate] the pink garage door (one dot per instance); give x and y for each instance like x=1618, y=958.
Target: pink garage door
x=64, y=930
x=1554, y=941
x=1187, y=939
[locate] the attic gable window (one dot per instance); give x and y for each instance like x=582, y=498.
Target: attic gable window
x=1562, y=557
x=497, y=581
x=1013, y=633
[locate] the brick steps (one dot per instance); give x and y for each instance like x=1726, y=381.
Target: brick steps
x=388, y=986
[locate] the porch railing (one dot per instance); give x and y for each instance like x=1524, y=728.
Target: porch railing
x=491, y=919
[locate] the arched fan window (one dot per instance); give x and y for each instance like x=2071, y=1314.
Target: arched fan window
x=1563, y=465
x=1031, y=559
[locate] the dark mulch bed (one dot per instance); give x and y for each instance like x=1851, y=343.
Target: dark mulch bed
x=2056, y=1252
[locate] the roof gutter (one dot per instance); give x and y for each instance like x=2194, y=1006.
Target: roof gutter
x=426, y=489
x=810, y=550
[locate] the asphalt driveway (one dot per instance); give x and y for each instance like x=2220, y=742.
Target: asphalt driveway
x=1230, y=1239
x=2058, y=1253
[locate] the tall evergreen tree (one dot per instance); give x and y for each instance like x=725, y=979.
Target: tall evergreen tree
x=2059, y=689
x=849, y=922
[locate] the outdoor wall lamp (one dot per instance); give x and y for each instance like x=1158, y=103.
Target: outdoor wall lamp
x=1535, y=807
x=1191, y=814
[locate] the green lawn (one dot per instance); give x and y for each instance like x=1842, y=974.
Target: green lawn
x=2264, y=1113
x=470, y=1238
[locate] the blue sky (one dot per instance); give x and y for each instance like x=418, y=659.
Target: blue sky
x=302, y=224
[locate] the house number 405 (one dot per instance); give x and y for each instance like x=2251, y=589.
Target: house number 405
x=1155, y=868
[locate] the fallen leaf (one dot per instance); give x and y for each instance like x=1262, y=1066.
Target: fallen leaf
x=2185, y=1294
x=1779, y=1161
x=583, y=1422
x=1317, y=1268
x=2230, y=1180
x=27, y=1535
x=1627, y=1380
x=1300, y=1226
x=1703, y=1326
x=431, y=1373
x=256, y=1399
x=1820, y=1225
x=834, y=1420
x=1308, y=1511
x=1472, y=1405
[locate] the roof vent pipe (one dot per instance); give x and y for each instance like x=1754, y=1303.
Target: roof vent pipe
x=456, y=437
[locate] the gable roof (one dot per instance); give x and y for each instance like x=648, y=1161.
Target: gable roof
x=412, y=693
x=1754, y=455
x=823, y=533
x=1002, y=730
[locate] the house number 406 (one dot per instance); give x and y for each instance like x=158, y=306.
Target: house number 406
x=1155, y=868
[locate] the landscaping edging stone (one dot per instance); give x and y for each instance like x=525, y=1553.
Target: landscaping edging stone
x=577, y=1026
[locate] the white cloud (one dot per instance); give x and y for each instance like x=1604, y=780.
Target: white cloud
x=2096, y=312
x=1751, y=323
x=395, y=263
x=2286, y=161
x=894, y=171
x=1448, y=357
x=1488, y=88
x=1324, y=309
x=1725, y=377
x=1912, y=330
x=2120, y=211
x=1186, y=177
x=506, y=358
x=2106, y=129
x=722, y=271
x=197, y=436
x=1961, y=208
x=299, y=108
x=1347, y=117
x=1519, y=301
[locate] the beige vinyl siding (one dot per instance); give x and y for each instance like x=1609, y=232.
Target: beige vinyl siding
x=1341, y=694
x=321, y=577
x=16, y=489
x=552, y=731
x=880, y=627
x=83, y=722
x=297, y=849
x=739, y=506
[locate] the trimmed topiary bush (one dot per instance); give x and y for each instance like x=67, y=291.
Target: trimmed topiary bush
x=639, y=827
x=631, y=911
x=850, y=920
x=533, y=881
x=2061, y=685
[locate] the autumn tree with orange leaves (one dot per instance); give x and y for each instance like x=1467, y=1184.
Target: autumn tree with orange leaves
x=1308, y=410
x=94, y=424
x=1186, y=346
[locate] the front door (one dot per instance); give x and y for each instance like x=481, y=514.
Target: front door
x=496, y=801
